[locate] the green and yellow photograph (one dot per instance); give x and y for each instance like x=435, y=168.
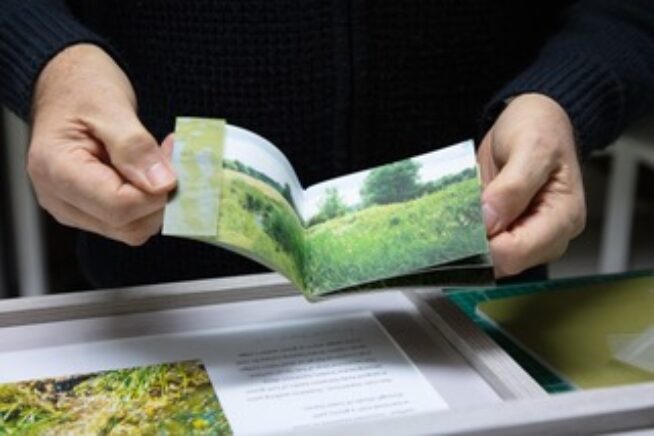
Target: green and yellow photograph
x=389, y=221
x=166, y=399
x=394, y=220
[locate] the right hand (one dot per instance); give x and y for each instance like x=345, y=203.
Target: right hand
x=92, y=163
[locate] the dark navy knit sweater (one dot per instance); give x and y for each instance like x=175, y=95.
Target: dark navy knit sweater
x=338, y=85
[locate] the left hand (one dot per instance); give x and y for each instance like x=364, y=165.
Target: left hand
x=533, y=199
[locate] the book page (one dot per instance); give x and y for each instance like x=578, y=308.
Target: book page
x=393, y=220
x=260, y=199
x=236, y=189
x=192, y=211
x=289, y=374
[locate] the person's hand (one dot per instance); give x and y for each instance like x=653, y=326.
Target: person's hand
x=533, y=199
x=92, y=163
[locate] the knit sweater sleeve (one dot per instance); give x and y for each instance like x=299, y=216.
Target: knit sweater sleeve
x=31, y=33
x=598, y=66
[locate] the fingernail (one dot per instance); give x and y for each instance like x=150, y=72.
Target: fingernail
x=491, y=218
x=159, y=175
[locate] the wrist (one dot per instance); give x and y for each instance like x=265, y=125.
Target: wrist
x=78, y=71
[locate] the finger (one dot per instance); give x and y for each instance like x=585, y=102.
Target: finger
x=140, y=231
x=167, y=146
x=135, y=233
x=539, y=237
x=510, y=193
x=69, y=215
x=97, y=190
x=487, y=166
x=133, y=151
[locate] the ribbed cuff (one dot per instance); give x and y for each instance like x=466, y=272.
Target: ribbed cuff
x=589, y=93
x=30, y=35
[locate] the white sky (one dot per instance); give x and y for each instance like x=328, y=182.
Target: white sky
x=256, y=152
x=433, y=166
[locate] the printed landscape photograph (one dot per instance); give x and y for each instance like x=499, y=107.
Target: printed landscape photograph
x=393, y=220
x=259, y=207
x=170, y=398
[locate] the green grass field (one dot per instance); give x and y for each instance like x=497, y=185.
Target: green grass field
x=175, y=398
x=383, y=241
x=255, y=218
x=375, y=243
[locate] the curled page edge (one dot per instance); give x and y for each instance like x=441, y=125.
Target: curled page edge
x=618, y=341
x=193, y=208
x=637, y=351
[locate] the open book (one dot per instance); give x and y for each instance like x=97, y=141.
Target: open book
x=411, y=222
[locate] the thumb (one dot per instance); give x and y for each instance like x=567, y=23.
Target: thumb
x=135, y=154
x=167, y=146
x=510, y=193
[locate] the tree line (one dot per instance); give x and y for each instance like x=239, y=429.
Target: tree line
x=394, y=183
x=284, y=190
